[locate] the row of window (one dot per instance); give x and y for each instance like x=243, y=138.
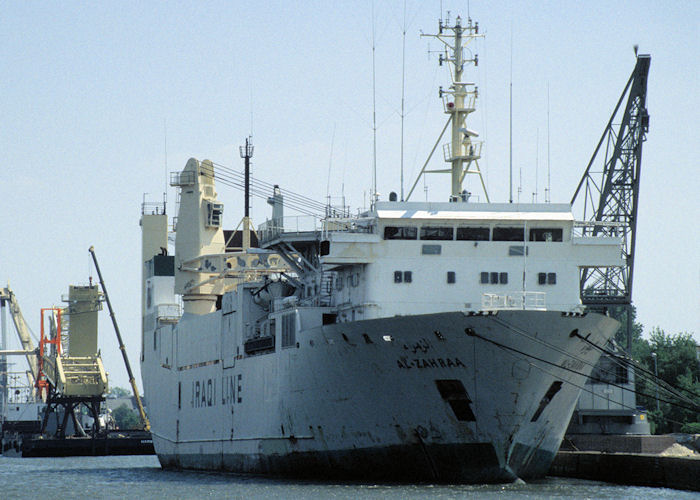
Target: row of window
x=485, y=278
x=403, y=276
x=484, y=233
x=494, y=278
x=547, y=278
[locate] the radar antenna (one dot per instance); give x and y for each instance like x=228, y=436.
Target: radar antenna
x=246, y=153
x=462, y=152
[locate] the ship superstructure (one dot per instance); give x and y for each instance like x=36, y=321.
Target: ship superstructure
x=415, y=341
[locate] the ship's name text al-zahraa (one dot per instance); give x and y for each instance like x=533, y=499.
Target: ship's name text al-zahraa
x=408, y=363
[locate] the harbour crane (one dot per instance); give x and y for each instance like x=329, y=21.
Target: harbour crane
x=610, y=195
x=9, y=299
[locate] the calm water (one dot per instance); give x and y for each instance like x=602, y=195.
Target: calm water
x=141, y=478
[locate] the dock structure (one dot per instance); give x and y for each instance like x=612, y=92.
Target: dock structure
x=59, y=411
x=638, y=469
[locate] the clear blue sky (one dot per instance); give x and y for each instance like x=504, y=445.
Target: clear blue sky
x=89, y=87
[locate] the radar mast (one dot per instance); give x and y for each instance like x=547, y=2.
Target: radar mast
x=463, y=151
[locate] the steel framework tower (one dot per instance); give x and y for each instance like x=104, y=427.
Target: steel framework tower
x=610, y=198
x=610, y=195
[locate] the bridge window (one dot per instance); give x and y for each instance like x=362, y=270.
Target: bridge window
x=398, y=277
x=508, y=234
x=516, y=250
x=431, y=249
x=484, y=278
x=473, y=233
x=546, y=234
x=451, y=277
x=436, y=233
x=407, y=276
x=400, y=233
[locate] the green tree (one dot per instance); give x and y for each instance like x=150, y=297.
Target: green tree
x=125, y=417
x=677, y=365
x=120, y=392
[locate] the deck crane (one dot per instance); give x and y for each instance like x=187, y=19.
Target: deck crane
x=610, y=195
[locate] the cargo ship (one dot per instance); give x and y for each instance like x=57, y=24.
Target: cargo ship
x=415, y=341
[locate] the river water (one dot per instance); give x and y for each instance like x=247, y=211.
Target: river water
x=141, y=478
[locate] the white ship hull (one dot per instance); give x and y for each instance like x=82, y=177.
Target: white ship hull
x=353, y=347
x=345, y=402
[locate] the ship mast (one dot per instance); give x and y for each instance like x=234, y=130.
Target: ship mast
x=462, y=152
x=246, y=153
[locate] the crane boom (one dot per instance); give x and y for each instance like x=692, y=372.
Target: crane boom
x=132, y=380
x=8, y=297
x=611, y=195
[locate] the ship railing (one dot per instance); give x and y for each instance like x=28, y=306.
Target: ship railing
x=152, y=208
x=337, y=210
x=598, y=228
x=273, y=228
x=471, y=151
x=168, y=313
x=347, y=224
x=448, y=105
x=535, y=301
x=180, y=179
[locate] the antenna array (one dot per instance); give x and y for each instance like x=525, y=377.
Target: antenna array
x=463, y=151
